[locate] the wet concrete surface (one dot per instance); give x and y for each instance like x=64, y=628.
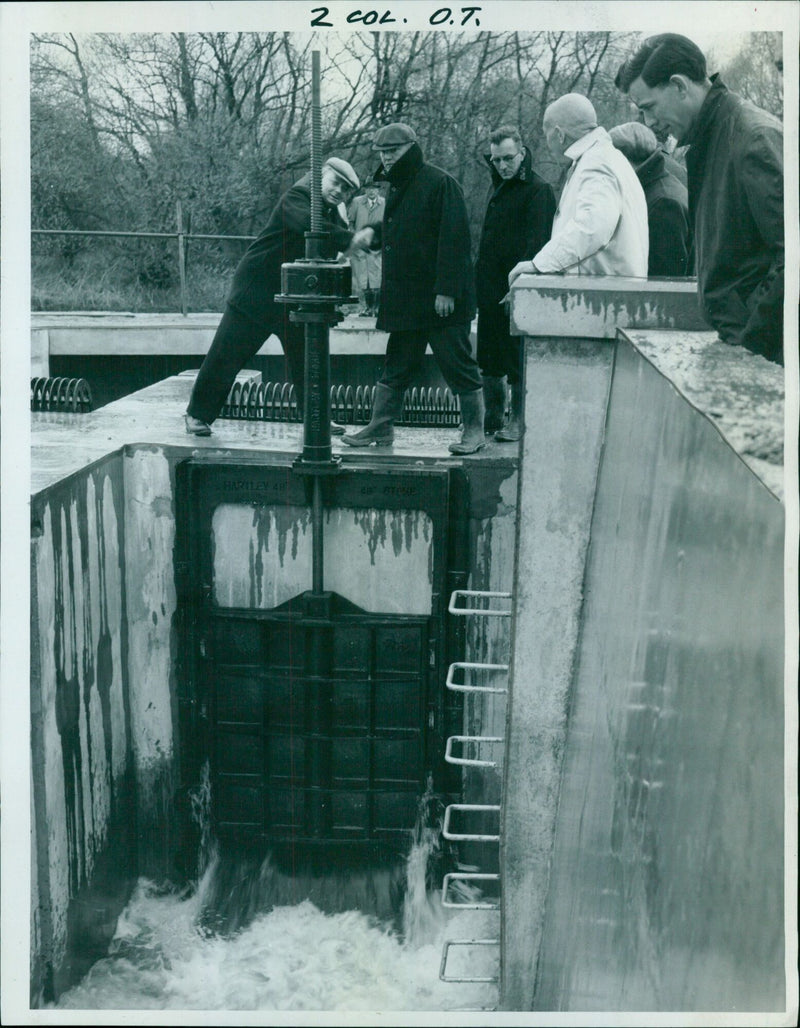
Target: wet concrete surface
x=741, y=392
x=63, y=444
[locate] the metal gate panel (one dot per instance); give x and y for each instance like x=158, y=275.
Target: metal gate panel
x=321, y=721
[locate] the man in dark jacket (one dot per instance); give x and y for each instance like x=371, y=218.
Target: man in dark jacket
x=251, y=314
x=517, y=224
x=735, y=177
x=667, y=200
x=427, y=290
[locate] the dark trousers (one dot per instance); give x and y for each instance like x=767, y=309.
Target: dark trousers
x=235, y=342
x=499, y=353
x=451, y=348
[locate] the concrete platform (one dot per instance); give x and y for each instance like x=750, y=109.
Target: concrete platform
x=63, y=444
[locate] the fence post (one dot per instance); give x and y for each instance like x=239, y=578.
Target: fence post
x=181, y=256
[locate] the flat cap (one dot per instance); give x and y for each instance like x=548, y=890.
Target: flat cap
x=396, y=134
x=344, y=169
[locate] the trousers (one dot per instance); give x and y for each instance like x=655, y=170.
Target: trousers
x=451, y=348
x=499, y=353
x=236, y=341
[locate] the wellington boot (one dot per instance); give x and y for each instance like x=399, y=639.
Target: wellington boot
x=380, y=431
x=472, y=413
x=494, y=398
x=514, y=429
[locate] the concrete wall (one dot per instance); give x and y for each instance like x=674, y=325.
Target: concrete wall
x=151, y=604
x=643, y=796
x=666, y=884
x=567, y=383
x=80, y=735
x=103, y=598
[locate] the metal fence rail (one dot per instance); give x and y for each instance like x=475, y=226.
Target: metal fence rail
x=181, y=236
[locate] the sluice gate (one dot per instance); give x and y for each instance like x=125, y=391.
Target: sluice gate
x=170, y=621
x=323, y=715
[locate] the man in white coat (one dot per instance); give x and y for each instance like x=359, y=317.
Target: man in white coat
x=600, y=227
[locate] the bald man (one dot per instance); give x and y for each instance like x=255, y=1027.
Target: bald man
x=600, y=227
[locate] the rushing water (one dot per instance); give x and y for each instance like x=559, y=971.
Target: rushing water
x=231, y=944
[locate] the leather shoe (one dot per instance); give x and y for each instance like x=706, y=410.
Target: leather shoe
x=194, y=426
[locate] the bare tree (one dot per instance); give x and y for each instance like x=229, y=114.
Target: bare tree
x=756, y=72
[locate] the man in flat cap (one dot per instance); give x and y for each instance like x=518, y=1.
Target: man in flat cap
x=251, y=314
x=427, y=290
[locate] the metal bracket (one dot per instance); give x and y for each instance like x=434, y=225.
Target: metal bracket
x=475, y=837
x=468, y=761
x=477, y=611
x=458, y=687
x=468, y=876
x=443, y=976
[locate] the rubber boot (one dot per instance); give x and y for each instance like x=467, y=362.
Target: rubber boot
x=472, y=413
x=380, y=430
x=494, y=398
x=513, y=431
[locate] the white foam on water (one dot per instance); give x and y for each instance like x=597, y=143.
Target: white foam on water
x=291, y=958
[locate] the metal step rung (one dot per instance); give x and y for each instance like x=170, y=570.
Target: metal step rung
x=467, y=761
x=468, y=876
x=447, y=834
x=443, y=976
x=468, y=665
x=484, y=594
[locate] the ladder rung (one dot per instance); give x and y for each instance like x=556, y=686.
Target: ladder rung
x=468, y=761
x=483, y=594
x=471, y=836
x=469, y=665
x=465, y=942
x=468, y=876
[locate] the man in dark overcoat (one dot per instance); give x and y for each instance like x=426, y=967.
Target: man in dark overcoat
x=251, y=313
x=735, y=179
x=667, y=200
x=517, y=224
x=427, y=290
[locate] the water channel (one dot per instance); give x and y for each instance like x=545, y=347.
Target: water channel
x=247, y=936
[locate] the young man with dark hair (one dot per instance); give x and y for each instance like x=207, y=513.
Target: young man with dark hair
x=735, y=179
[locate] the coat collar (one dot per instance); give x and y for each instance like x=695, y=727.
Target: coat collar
x=651, y=168
x=405, y=169
x=707, y=112
x=577, y=149
x=523, y=172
